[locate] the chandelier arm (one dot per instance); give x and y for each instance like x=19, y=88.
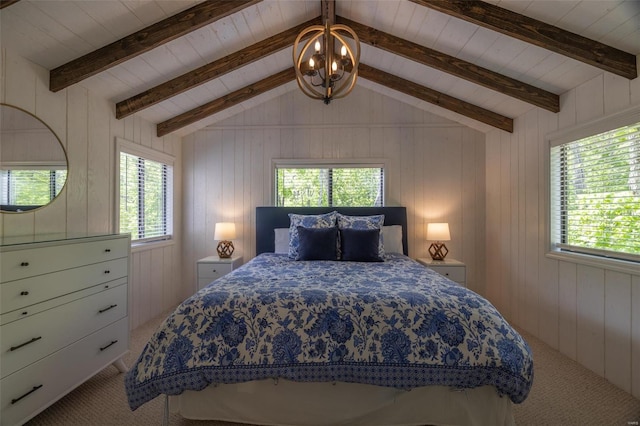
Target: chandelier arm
x=347, y=85
x=308, y=87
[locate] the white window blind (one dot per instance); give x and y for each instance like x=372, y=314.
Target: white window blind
x=332, y=185
x=30, y=186
x=595, y=194
x=146, y=198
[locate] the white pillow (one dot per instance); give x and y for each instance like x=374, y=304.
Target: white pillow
x=281, y=240
x=392, y=239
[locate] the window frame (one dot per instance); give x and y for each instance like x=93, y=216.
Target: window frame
x=328, y=164
x=128, y=147
x=574, y=133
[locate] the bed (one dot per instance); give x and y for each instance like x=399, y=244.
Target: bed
x=362, y=341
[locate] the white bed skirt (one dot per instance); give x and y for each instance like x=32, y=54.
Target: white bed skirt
x=287, y=403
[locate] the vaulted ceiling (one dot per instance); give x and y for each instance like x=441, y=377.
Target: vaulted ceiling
x=185, y=65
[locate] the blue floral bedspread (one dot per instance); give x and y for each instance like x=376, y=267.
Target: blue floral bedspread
x=394, y=323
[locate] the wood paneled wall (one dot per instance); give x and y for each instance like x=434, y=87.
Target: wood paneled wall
x=590, y=314
x=434, y=167
x=87, y=127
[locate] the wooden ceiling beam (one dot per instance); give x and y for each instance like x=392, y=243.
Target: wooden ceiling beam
x=226, y=101
x=210, y=71
x=454, y=66
x=538, y=33
x=144, y=40
x=434, y=97
x=7, y=3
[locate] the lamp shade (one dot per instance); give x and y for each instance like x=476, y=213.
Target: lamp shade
x=225, y=231
x=438, y=232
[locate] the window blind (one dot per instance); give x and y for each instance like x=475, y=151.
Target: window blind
x=146, y=198
x=329, y=186
x=35, y=186
x=595, y=194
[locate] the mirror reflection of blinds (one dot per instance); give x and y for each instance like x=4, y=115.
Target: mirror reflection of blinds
x=30, y=187
x=145, y=198
x=595, y=194
x=329, y=186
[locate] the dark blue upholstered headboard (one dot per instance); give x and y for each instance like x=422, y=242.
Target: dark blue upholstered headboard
x=270, y=218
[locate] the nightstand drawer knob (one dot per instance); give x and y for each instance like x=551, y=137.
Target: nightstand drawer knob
x=213, y=270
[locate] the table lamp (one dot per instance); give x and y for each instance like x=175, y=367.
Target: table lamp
x=225, y=232
x=438, y=232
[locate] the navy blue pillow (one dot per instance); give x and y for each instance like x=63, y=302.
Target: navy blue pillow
x=360, y=245
x=317, y=243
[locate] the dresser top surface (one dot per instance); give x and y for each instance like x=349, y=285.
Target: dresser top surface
x=23, y=240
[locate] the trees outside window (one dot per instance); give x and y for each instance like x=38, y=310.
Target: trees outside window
x=595, y=194
x=145, y=196
x=329, y=186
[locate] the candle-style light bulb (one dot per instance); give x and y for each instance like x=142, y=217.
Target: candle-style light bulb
x=334, y=66
x=311, y=63
x=317, y=46
x=343, y=51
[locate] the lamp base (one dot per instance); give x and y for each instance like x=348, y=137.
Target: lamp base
x=438, y=251
x=225, y=249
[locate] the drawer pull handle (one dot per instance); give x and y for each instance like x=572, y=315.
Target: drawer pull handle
x=35, y=339
x=113, y=342
x=107, y=271
x=107, y=250
x=214, y=271
x=35, y=388
x=24, y=264
x=24, y=293
x=106, y=309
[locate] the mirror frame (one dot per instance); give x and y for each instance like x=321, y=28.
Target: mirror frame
x=64, y=151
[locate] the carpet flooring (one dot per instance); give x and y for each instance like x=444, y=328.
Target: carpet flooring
x=563, y=393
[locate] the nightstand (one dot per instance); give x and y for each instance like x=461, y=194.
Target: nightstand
x=212, y=267
x=450, y=268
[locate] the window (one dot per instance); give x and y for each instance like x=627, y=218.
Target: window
x=145, y=193
x=329, y=185
x=595, y=193
x=30, y=186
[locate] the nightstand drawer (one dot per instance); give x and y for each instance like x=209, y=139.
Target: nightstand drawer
x=213, y=271
x=454, y=273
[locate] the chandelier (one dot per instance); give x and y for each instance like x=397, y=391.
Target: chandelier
x=326, y=65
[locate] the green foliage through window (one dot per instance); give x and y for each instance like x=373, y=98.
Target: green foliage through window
x=335, y=186
x=30, y=187
x=145, y=198
x=596, y=191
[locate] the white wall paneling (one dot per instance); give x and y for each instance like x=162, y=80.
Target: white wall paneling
x=87, y=128
x=591, y=314
x=434, y=167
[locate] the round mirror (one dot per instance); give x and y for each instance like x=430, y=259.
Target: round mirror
x=33, y=162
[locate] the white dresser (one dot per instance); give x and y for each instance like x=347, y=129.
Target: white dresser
x=63, y=317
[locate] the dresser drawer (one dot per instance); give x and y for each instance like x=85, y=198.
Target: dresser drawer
x=19, y=264
x=28, y=291
x=213, y=271
x=26, y=392
x=29, y=339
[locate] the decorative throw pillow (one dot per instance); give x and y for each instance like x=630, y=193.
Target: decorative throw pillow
x=317, y=243
x=327, y=220
x=362, y=222
x=392, y=239
x=360, y=245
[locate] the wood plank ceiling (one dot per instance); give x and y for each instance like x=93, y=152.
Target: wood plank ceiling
x=187, y=67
